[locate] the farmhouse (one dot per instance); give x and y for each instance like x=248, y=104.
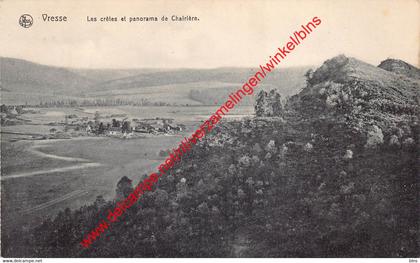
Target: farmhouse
x=114, y=131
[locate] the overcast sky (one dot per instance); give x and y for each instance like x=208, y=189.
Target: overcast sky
x=229, y=33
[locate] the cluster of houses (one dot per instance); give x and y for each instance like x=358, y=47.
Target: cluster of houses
x=157, y=125
x=9, y=115
x=121, y=128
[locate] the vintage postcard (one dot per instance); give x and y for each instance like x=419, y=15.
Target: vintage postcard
x=209, y=129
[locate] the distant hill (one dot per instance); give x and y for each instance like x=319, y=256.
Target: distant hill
x=198, y=86
x=27, y=82
x=102, y=75
x=24, y=76
x=225, y=75
x=400, y=67
x=23, y=81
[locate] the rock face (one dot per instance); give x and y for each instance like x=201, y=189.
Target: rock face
x=400, y=67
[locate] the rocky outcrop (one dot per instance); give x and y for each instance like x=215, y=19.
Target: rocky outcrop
x=363, y=97
x=400, y=67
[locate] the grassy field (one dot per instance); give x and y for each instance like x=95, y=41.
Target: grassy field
x=115, y=157
x=42, y=177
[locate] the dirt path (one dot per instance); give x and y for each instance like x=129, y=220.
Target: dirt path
x=35, y=149
x=54, y=170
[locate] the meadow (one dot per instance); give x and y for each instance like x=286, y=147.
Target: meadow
x=42, y=177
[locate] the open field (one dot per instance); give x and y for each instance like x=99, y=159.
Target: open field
x=23, y=188
x=178, y=113
x=42, y=177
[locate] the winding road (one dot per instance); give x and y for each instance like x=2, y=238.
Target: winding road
x=35, y=150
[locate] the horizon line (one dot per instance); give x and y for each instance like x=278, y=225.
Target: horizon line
x=145, y=68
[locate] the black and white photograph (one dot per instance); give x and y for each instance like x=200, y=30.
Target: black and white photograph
x=210, y=129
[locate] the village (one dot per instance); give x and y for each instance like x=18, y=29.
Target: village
x=121, y=128
x=72, y=125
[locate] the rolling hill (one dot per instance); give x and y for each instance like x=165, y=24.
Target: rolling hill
x=24, y=76
x=26, y=82
x=23, y=81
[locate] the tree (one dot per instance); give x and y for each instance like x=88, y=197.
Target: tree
x=268, y=104
x=4, y=108
x=99, y=202
x=66, y=123
x=124, y=188
x=97, y=117
x=125, y=127
x=19, y=109
x=259, y=103
x=275, y=103
x=101, y=128
x=308, y=75
x=115, y=123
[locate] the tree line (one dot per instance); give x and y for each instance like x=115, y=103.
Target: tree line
x=100, y=102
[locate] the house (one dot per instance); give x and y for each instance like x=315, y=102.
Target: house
x=173, y=128
x=114, y=131
x=143, y=127
x=158, y=121
x=13, y=111
x=128, y=134
x=88, y=128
